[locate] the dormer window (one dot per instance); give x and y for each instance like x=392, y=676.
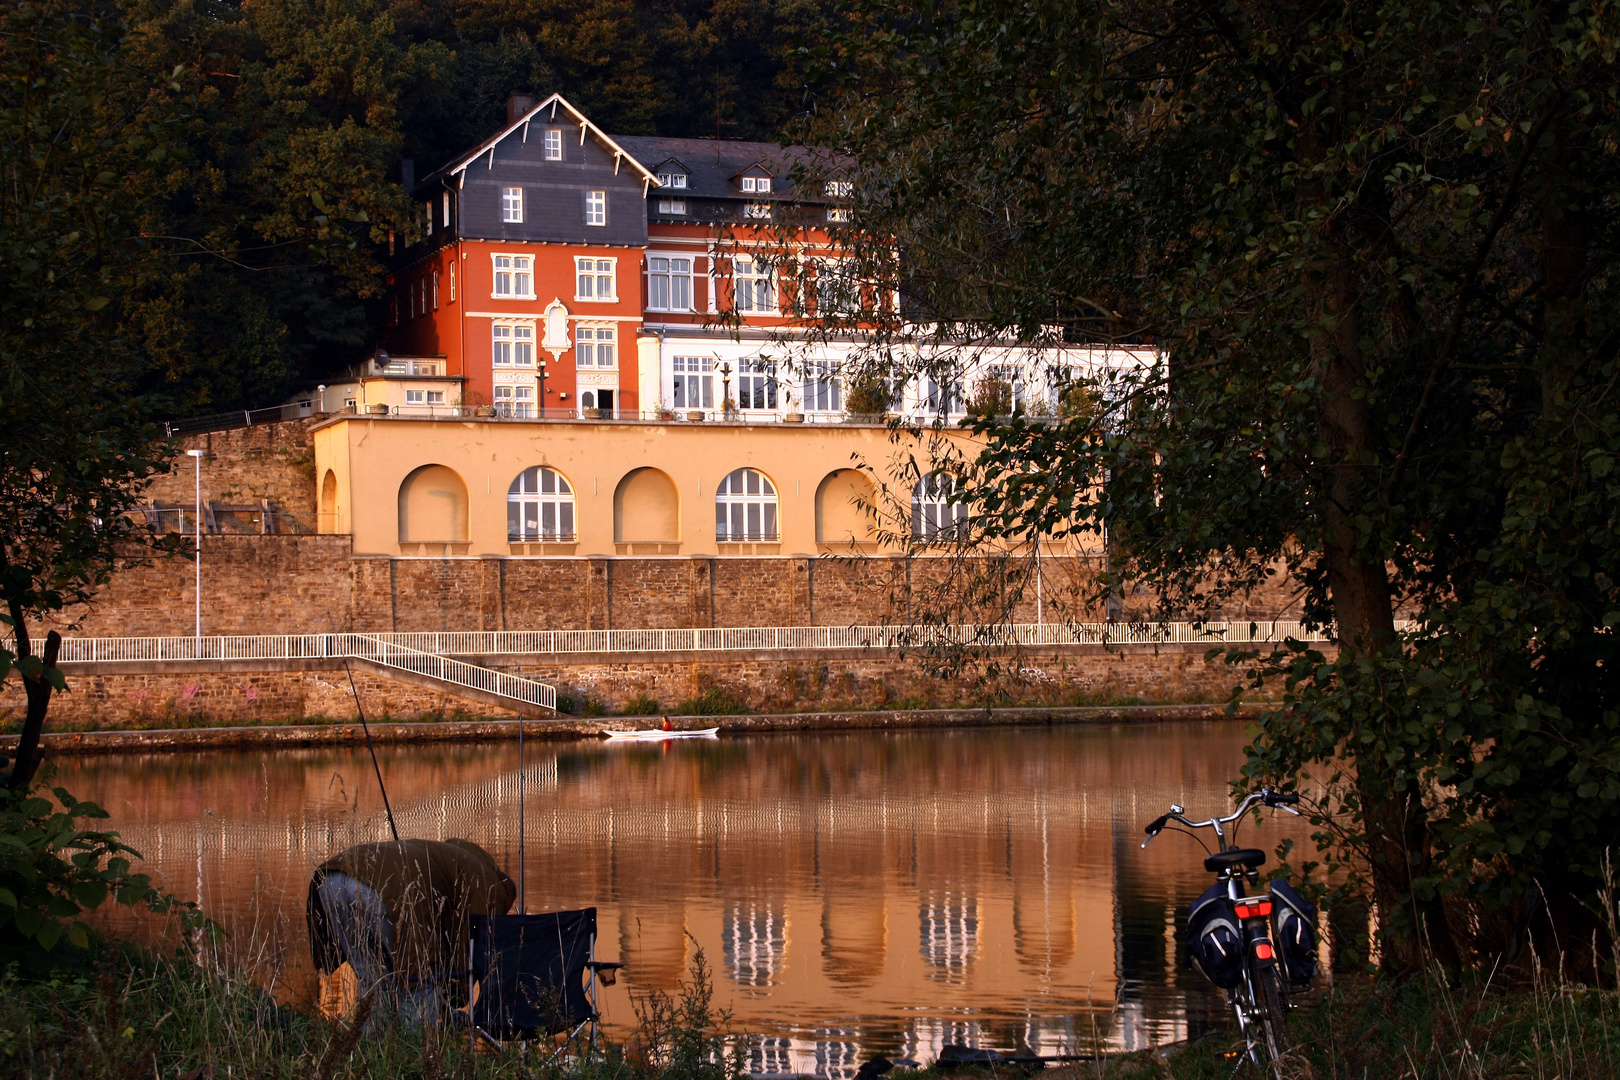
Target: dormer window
x=672, y=179
x=759, y=184
x=840, y=189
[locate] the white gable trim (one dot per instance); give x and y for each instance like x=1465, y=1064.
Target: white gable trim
x=522, y=122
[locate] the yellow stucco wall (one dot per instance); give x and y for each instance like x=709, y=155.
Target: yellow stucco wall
x=371, y=457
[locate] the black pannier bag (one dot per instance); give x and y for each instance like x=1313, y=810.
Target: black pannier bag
x=1214, y=941
x=1293, y=927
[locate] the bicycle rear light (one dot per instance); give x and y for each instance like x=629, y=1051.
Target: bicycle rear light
x=1262, y=950
x=1253, y=909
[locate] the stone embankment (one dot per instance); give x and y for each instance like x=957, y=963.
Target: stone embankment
x=490, y=730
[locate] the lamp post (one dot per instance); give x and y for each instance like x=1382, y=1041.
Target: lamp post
x=197, y=456
x=542, y=389
x=725, y=390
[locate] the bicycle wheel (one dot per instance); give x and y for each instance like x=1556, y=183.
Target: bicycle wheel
x=1273, y=1021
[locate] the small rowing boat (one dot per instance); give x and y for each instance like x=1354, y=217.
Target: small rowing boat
x=656, y=735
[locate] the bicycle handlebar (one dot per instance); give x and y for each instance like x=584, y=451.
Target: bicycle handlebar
x=1276, y=799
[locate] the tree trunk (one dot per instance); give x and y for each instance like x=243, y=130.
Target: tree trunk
x=37, y=689
x=1392, y=809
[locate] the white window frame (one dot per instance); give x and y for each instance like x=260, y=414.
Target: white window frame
x=590, y=273
x=757, y=184
x=752, y=292
x=435, y=290
x=667, y=280
x=757, y=211
x=672, y=207
x=822, y=390
x=512, y=344
x=675, y=181
x=934, y=518
x=847, y=291
x=840, y=214
x=590, y=341
x=693, y=377
x=428, y=206
x=749, y=514
x=553, y=143
x=515, y=399
x=537, y=497
x=757, y=387
x=596, y=208
x=518, y=270
x=839, y=189
x=446, y=209
x=512, y=205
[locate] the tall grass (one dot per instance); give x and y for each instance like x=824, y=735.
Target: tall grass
x=143, y=1014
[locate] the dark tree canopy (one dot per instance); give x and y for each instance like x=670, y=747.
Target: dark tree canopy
x=1375, y=244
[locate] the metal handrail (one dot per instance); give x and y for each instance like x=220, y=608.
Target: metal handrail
x=720, y=639
x=376, y=648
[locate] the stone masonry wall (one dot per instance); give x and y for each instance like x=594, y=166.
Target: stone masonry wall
x=740, y=684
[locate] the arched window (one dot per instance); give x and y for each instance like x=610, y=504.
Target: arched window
x=540, y=506
x=933, y=515
x=745, y=507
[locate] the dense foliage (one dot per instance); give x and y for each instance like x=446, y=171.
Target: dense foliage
x=1375, y=244
x=53, y=871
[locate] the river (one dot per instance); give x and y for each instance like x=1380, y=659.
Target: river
x=854, y=893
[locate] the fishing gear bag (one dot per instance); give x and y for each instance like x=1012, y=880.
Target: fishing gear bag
x=1214, y=942
x=1293, y=930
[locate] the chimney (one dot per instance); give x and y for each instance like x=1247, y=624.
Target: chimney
x=407, y=174
x=517, y=105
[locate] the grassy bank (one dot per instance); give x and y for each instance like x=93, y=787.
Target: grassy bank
x=142, y=1015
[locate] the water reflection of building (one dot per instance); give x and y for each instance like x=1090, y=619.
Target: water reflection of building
x=754, y=943
x=928, y=1036
x=837, y=1054
x=950, y=934
x=771, y=1056
x=854, y=936
x=1021, y=855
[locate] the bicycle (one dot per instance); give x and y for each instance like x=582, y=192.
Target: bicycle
x=1229, y=934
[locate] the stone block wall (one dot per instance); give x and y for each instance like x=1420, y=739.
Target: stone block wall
x=268, y=461
x=739, y=683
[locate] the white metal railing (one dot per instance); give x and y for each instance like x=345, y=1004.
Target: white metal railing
x=376, y=648
x=402, y=650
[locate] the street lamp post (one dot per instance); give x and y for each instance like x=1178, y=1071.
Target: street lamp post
x=197, y=456
x=725, y=390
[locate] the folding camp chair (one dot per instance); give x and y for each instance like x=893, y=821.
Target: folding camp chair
x=534, y=975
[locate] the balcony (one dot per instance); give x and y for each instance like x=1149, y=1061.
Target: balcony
x=411, y=367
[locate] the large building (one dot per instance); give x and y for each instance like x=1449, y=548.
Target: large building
x=626, y=286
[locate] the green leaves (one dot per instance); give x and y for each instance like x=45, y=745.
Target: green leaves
x=1388, y=353
x=53, y=870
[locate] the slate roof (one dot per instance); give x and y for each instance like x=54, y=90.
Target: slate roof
x=712, y=163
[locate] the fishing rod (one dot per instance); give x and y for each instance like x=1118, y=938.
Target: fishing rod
x=371, y=746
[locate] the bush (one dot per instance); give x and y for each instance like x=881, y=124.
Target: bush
x=712, y=701
x=52, y=871
x=640, y=705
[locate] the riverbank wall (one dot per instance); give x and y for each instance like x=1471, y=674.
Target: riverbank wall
x=112, y=697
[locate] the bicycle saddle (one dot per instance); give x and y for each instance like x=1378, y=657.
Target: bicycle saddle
x=1225, y=860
